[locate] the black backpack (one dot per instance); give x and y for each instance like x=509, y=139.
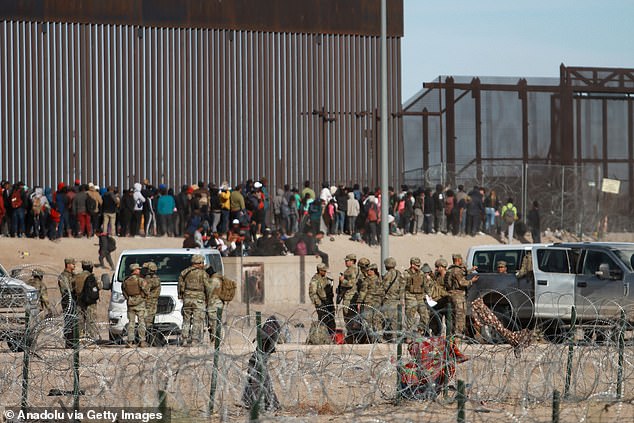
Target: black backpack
x=91, y=204
x=112, y=244
x=90, y=292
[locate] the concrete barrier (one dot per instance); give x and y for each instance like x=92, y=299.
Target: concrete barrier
x=272, y=280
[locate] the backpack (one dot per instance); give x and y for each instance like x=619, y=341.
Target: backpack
x=203, y=200
x=91, y=204
x=16, y=199
x=90, y=292
x=112, y=244
x=318, y=334
x=449, y=203
x=509, y=216
x=300, y=248
x=372, y=213
x=227, y=289
x=37, y=205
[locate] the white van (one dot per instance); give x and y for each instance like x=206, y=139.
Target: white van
x=170, y=263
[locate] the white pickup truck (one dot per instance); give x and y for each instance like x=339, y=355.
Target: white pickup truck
x=595, y=277
x=170, y=263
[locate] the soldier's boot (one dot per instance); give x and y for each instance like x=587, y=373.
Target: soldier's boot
x=143, y=344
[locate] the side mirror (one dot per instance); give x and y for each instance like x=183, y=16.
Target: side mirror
x=106, y=281
x=604, y=271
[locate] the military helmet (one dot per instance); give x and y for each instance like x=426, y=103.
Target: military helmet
x=351, y=257
x=364, y=262
x=69, y=260
x=441, y=262
x=456, y=256
x=390, y=262
x=322, y=266
x=198, y=259
x=134, y=266
x=414, y=260
x=152, y=267
x=37, y=273
x=426, y=268
x=373, y=266
x=501, y=263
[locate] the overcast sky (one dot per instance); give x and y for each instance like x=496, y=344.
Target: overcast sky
x=512, y=38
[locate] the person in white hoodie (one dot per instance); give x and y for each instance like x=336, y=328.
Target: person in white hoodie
x=139, y=200
x=352, y=213
x=39, y=210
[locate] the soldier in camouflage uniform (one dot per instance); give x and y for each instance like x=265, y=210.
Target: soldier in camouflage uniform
x=135, y=290
x=526, y=269
x=456, y=284
x=440, y=295
x=347, y=286
x=320, y=292
x=213, y=302
x=417, y=285
x=393, y=299
x=373, y=300
x=358, y=300
x=36, y=281
x=65, y=283
x=153, y=283
x=87, y=313
x=192, y=285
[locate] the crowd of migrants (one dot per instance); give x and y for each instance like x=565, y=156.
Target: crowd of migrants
x=232, y=218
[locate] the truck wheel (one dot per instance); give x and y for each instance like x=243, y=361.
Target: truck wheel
x=505, y=316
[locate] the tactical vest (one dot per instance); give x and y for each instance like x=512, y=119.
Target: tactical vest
x=131, y=286
x=418, y=284
x=79, y=283
x=193, y=281
x=452, y=277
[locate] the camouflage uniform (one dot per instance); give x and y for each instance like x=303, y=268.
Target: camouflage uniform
x=417, y=286
x=526, y=269
x=154, y=286
x=394, y=290
x=192, y=284
x=456, y=284
x=37, y=282
x=135, y=290
x=86, y=314
x=320, y=291
x=65, y=283
x=439, y=294
x=373, y=300
x=347, y=286
x=214, y=304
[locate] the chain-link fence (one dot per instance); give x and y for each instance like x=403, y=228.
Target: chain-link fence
x=590, y=366
x=570, y=197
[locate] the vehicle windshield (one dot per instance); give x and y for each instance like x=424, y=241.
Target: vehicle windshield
x=169, y=266
x=627, y=257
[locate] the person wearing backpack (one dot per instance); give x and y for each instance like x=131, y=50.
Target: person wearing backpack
x=135, y=290
x=509, y=216
x=39, y=207
x=18, y=202
x=214, y=304
x=86, y=293
x=107, y=245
